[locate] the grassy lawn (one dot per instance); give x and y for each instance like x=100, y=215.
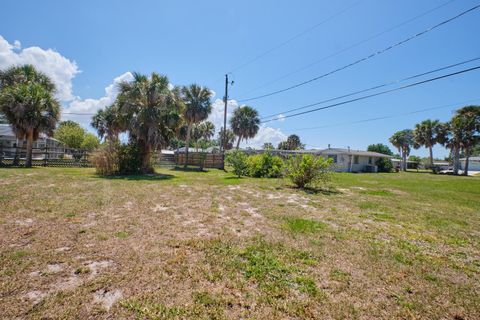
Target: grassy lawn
x=211, y=246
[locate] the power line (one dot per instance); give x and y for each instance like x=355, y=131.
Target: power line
x=282, y=113
x=79, y=114
x=365, y=58
x=298, y=35
x=349, y=47
x=377, y=94
x=385, y=117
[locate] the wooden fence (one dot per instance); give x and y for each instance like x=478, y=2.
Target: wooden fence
x=203, y=160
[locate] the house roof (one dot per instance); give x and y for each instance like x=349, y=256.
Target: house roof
x=471, y=159
x=329, y=151
x=6, y=131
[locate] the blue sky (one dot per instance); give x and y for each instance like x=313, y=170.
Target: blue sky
x=94, y=42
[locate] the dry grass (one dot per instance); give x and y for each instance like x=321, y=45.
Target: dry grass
x=184, y=245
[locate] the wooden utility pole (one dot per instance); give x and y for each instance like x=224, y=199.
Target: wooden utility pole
x=224, y=136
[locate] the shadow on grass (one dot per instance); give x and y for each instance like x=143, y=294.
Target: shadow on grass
x=324, y=191
x=140, y=177
x=189, y=169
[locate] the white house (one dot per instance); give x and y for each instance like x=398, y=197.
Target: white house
x=473, y=163
x=9, y=144
x=344, y=160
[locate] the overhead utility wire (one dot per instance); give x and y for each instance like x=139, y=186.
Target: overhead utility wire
x=385, y=117
x=376, y=94
x=365, y=58
x=282, y=113
x=349, y=47
x=298, y=35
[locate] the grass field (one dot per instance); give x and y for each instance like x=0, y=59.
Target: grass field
x=210, y=246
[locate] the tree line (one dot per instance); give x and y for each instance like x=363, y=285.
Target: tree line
x=461, y=135
x=147, y=109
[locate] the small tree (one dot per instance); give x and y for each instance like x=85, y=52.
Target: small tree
x=70, y=133
x=90, y=142
x=268, y=146
x=383, y=164
x=307, y=170
x=238, y=160
x=403, y=140
x=292, y=143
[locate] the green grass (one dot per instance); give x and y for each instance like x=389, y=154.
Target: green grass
x=300, y=225
x=207, y=245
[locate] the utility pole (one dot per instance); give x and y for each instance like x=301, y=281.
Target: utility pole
x=224, y=137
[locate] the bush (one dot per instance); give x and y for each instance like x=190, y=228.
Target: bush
x=384, y=165
x=238, y=160
x=129, y=160
x=265, y=166
x=113, y=159
x=105, y=160
x=308, y=170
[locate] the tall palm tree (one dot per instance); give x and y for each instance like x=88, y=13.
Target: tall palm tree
x=463, y=133
x=149, y=112
x=28, y=103
x=403, y=141
x=428, y=133
x=197, y=107
x=245, y=123
x=108, y=123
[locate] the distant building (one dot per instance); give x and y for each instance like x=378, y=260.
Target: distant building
x=473, y=163
x=9, y=144
x=344, y=160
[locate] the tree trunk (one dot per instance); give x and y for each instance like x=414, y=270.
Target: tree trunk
x=238, y=142
x=28, y=157
x=431, y=157
x=147, y=153
x=456, y=160
x=467, y=160
x=187, y=143
x=16, y=159
x=404, y=156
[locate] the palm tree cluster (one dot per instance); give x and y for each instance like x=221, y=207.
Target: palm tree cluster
x=154, y=114
x=461, y=135
x=28, y=104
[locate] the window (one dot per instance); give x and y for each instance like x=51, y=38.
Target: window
x=333, y=156
x=369, y=160
x=355, y=160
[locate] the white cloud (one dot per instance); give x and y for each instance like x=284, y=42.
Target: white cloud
x=60, y=69
x=218, y=109
x=92, y=105
x=281, y=117
x=265, y=134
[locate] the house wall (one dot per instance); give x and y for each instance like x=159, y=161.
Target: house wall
x=472, y=165
x=343, y=163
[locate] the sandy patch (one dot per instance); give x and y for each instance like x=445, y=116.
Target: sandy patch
x=160, y=208
x=35, y=296
x=26, y=222
x=107, y=298
x=54, y=268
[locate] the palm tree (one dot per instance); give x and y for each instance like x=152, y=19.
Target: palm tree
x=149, y=111
x=28, y=103
x=197, y=107
x=229, y=138
x=245, y=123
x=204, y=130
x=463, y=134
x=107, y=122
x=403, y=140
x=428, y=133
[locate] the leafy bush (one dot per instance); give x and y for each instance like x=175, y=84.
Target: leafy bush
x=238, y=160
x=308, y=170
x=113, y=159
x=105, y=160
x=265, y=166
x=384, y=165
x=129, y=159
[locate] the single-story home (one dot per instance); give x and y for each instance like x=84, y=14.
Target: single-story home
x=473, y=163
x=9, y=144
x=344, y=160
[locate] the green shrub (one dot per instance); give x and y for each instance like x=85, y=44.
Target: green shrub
x=238, y=161
x=129, y=160
x=307, y=170
x=384, y=165
x=111, y=159
x=265, y=166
